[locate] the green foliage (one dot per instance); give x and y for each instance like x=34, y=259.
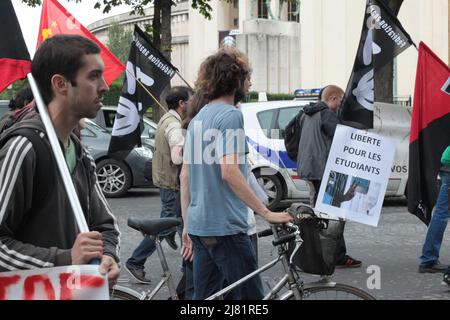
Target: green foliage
x=111, y=98
x=119, y=40
x=137, y=6
x=8, y=94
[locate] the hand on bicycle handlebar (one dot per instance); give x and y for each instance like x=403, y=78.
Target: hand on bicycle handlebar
x=186, y=246
x=277, y=217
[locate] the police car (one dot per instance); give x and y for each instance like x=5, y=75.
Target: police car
x=265, y=122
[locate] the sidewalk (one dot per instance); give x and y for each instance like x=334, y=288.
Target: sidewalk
x=394, y=246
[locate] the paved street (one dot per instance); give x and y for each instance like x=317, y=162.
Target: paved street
x=394, y=246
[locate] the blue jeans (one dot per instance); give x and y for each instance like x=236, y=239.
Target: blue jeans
x=189, y=271
x=170, y=207
x=219, y=260
x=436, y=229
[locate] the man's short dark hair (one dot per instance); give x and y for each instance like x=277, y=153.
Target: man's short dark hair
x=177, y=94
x=24, y=97
x=60, y=54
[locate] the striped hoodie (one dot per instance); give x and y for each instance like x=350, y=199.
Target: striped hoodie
x=37, y=238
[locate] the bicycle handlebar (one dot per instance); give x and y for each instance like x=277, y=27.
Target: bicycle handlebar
x=284, y=239
x=265, y=233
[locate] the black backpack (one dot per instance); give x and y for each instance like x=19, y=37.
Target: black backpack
x=292, y=135
x=42, y=180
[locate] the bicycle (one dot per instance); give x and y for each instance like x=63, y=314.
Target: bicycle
x=290, y=287
x=150, y=228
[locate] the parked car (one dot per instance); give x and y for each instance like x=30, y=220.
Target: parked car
x=116, y=176
x=265, y=122
x=4, y=106
x=106, y=116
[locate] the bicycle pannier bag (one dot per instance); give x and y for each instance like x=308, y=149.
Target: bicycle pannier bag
x=317, y=253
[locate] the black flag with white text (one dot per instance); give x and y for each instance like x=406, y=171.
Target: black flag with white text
x=148, y=66
x=382, y=39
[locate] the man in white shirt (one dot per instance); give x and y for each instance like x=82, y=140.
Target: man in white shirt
x=165, y=173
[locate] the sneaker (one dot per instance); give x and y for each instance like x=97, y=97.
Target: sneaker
x=348, y=262
x=434, y=267
x=138, y=274
x=170, y=239
x=446, y=279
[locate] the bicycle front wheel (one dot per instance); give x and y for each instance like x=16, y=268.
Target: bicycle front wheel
x=122, y=293
x=336, y=292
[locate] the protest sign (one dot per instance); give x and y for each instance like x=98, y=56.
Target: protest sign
x=356, y=175
x=60, y=283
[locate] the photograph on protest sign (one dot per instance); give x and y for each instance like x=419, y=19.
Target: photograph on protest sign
x=352, y=193
x=356, y=175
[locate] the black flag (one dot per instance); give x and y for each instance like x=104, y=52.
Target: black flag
x=15, y=60
x=382, y=39
x=148, y=65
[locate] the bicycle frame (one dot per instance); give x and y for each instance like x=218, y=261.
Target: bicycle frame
x=167, y=276
x=289, y=277
x=166, y=279
x=296, y=288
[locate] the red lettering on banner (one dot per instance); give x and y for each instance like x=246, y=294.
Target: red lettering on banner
x=86, y=281
x=5, y=282
x=30, y=286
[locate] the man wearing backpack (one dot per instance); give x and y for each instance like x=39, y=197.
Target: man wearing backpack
x=317, y=131
x=38, y=229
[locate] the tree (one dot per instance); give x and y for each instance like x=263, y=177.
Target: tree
x=160, y=31
x=119, y=40
x=384, y=79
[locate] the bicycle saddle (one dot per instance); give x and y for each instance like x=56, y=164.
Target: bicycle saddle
x=152, y=227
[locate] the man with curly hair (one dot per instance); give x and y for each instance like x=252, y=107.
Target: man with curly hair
x=215, y=193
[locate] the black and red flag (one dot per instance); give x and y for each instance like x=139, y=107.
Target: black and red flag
x=430, y=132
x=15, y=60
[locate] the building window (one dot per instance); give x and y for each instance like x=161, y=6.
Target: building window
x=263, y=12
x=293, y=11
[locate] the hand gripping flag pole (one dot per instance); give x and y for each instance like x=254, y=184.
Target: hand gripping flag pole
x=62, y=166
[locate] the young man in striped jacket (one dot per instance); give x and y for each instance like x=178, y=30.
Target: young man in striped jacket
x=40, y=231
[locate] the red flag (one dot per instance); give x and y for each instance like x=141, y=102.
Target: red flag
x=14, y=57
x=430, y=132
x=55, y=19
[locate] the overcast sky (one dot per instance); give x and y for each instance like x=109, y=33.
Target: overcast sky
x=84, y=12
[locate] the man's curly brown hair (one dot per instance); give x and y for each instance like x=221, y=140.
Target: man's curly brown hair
x=223, y=73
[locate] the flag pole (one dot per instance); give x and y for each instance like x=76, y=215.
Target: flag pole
x=146, y=90
x=61, y=162
x=176, y=71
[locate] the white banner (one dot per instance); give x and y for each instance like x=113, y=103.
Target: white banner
x=60, y=283
x=356, y=175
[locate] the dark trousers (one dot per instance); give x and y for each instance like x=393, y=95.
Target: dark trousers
x=341, y=252
x=219, y=260
x=185, y=289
